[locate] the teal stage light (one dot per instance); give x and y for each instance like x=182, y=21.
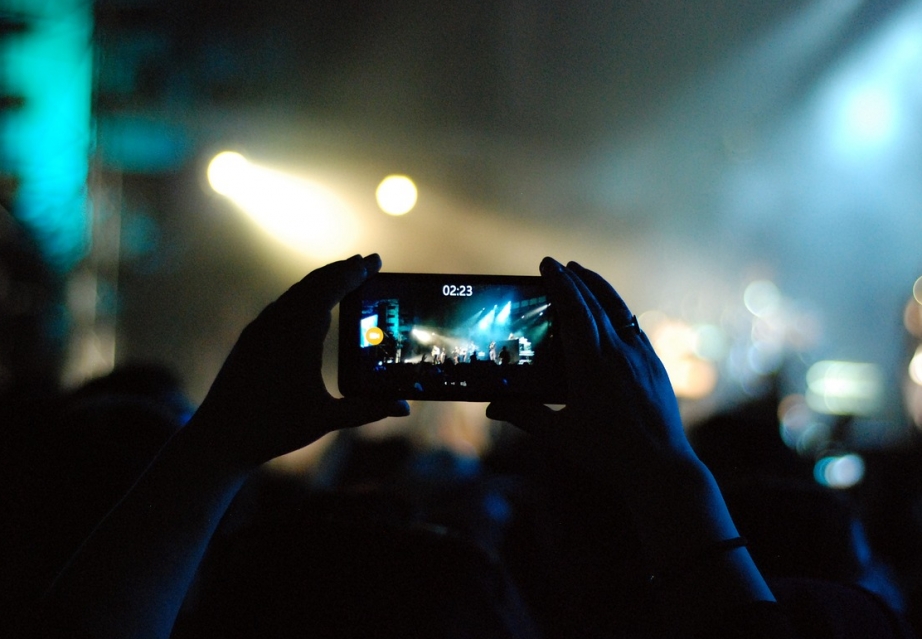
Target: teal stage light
x=45, y=142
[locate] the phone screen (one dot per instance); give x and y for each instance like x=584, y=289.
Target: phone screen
x=450, y=337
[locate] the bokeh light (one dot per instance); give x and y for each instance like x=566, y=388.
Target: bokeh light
x=915, y=367
x=844, y=388
x=396, y=195
x=912, y=318
x=841, y=471
x=710, y=343
x=762, y=298
x=676, y=343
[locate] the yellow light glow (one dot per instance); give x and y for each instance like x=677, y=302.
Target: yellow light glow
x=396, y=195
x=296, y=212
x=691, y=378
x=917, y=290
x=673, y=339
x=915, y=367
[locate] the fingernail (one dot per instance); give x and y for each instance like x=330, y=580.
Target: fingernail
x=372, y=263
x=550, y=265
x=398, y=409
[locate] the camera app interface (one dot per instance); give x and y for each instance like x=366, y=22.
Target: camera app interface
x=456, y=339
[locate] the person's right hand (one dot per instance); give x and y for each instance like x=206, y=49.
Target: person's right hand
x=621, y=417
x=621, y=422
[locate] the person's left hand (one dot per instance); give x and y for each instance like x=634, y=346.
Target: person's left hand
x=269, y=397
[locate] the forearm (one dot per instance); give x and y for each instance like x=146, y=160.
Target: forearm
x=682, y=522
x=130, y=577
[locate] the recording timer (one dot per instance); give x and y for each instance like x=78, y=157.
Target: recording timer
x=453, y=290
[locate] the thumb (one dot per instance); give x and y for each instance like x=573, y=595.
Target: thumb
x=356, y=411
x=531, y=416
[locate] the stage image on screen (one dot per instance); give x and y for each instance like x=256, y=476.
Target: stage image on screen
x=448, y=339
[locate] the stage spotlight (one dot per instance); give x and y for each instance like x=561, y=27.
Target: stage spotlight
x=423, y=337
x=297, y=212
x=487, y=320
x=396, y=195
x=226, y=170
x=503, y=316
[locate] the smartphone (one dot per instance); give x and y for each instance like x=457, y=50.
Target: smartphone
x=473, y=338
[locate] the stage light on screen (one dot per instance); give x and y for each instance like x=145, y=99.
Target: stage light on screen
x=503, y=316
x=364, y=324
x=917, y=290
x=423, y=337
x=396, y=195
x=487, y=320
x=299, y=213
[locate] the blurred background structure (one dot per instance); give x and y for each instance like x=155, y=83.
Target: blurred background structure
x=747, y=174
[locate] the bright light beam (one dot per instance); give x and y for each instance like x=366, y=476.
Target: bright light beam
x=487, y=320
x=503, y=316
x=296, y=212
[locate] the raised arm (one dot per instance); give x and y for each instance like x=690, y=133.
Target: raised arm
x=129, y=578
x=622, y=423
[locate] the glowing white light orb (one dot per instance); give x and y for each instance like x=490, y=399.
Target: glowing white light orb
x=226, y=170
x=396, y=195
x=915, y=367
x=762, y=298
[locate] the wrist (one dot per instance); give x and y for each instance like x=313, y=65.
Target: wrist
x=679, y=512
x=201, y=440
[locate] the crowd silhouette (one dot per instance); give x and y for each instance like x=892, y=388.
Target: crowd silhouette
x=129, y=513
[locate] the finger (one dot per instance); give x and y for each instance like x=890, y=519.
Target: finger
x=602, y=322
x=614, y=306
x=349, y=412
x=532, y=417
x=579, y=331
x=323, y=288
